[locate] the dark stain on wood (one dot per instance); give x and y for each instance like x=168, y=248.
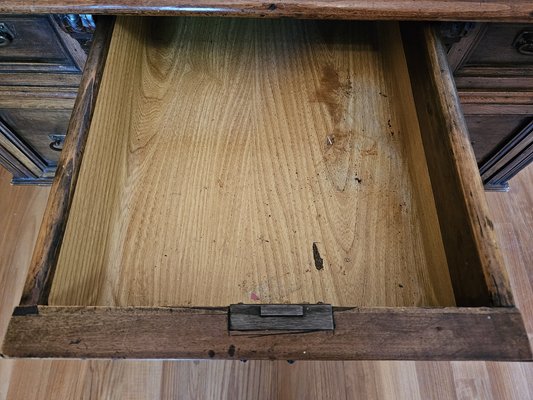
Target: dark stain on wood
x=272, y=7
x=231, y=351
x=211, y=353
x=319, y=261
x=333, y=92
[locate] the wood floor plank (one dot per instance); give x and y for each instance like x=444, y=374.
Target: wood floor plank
x=435, y=380
x=303, y=380
x=269, y=157
x=513, y=222
x=219, y=380
x=21, y=210
x=511, y=380
x=471, y=381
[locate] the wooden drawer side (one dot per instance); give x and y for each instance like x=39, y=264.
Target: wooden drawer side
x=476, y=266
x=44, y=260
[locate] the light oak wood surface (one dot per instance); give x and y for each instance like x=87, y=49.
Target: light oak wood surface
x=253, y=161
x=86, y=379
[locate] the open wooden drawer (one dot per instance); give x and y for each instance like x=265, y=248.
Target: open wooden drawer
x=320, y=166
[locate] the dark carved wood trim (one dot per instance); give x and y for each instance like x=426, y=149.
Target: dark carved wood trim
x=508, y=160
x=13, y=165
x=79, y=27
x=51, y=66
x=460, y=51
x=33, y=164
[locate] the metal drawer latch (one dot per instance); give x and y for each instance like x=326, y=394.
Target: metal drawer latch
x=287, y=317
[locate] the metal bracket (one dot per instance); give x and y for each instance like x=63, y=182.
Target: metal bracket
x=286, y=317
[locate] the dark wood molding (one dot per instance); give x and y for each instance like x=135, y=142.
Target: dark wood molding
x=14, y=165
x=18, y=149
x=40, y=98
x=503, y=81
x=460, y=51
x=496, y=102
x=476, y=265
x=451, y=10
x=78, y=26
x=360, y=334
x=50, y=236
x=33, y=35
x=508, y=160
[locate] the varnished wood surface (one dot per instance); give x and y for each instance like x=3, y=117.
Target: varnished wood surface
x=468, y=10
x=360, y=334
x=46, y=379
x=270, y=161
x=44, y=260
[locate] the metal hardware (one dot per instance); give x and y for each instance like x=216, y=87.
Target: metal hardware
x=281, y=310
x=57, y=142
x=286, y=317
x=523, y=43
x=7, y=34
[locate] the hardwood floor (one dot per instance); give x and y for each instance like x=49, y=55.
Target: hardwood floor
x=20, y=211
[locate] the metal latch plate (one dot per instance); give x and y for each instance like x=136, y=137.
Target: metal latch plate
x=286, y=317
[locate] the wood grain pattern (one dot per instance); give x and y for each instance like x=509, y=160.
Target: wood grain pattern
x=266, y=380
x=217, y=379
x=475, y=263
x=21, y=210
x=44, y=260
x=360, y=334
x=513, y=214
x=222, y=152
x=44, y=98
x=467, y=10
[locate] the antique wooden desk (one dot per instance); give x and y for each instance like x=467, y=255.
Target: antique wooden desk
x=268, y=189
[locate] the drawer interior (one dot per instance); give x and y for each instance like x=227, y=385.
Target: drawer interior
x=254, y=161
